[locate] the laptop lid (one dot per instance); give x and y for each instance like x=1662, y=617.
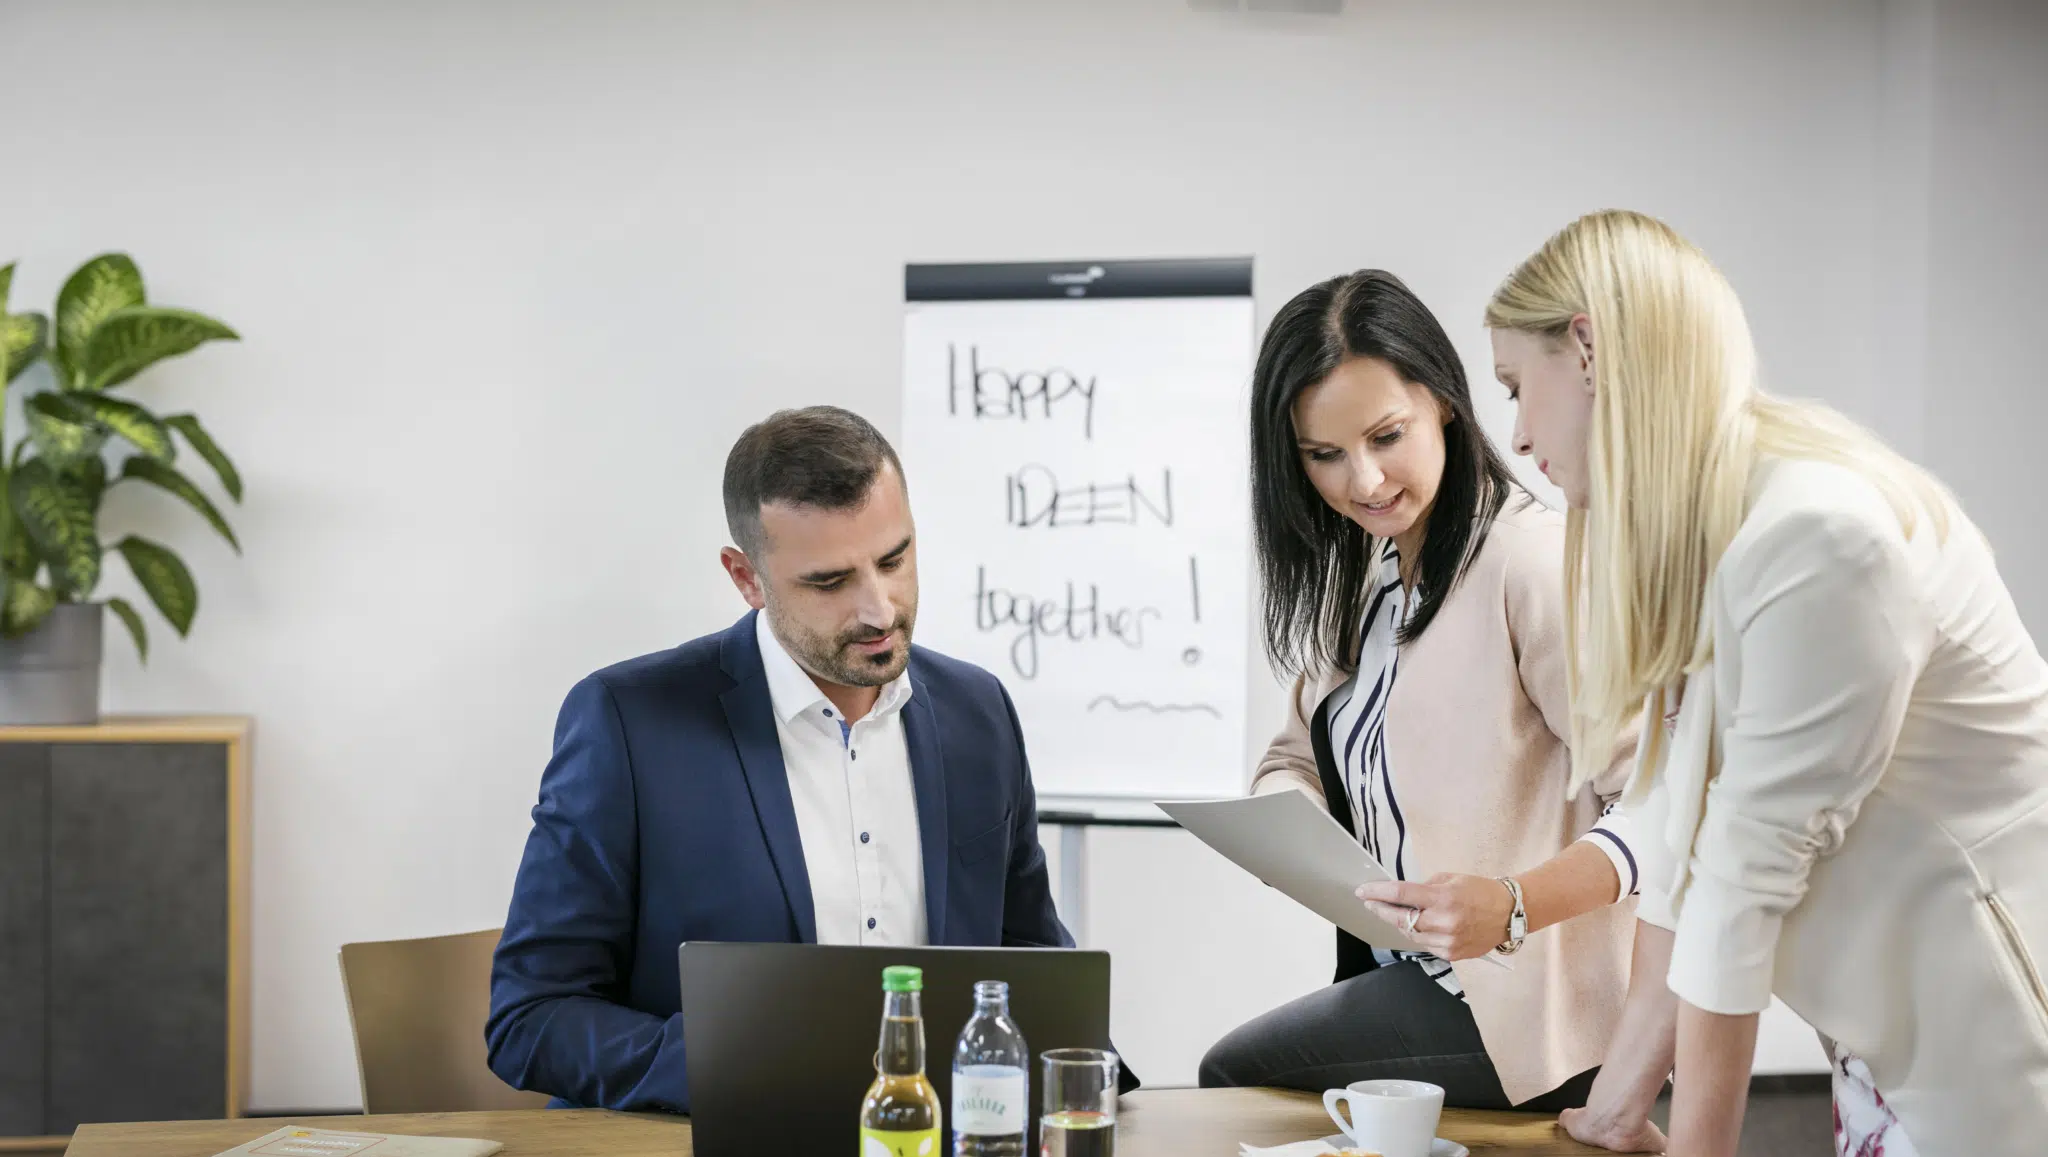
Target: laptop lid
x=781, y=1038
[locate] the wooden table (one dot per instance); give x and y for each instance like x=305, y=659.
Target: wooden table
x=1205, y=1122
x=1156, y=1123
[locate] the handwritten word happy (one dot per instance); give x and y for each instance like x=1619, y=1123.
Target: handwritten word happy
x=992, y=393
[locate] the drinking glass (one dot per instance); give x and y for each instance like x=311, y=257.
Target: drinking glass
x=1080, y=1103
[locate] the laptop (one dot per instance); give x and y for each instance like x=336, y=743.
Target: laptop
x=781, y=1038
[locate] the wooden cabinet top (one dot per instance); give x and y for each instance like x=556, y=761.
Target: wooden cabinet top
x=139, y=729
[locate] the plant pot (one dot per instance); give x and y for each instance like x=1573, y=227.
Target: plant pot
x=52, y=674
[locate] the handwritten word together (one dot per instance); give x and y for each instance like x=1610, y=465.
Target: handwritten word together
x=1078, y=618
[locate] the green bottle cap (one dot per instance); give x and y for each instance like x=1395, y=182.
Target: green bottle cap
x=902, y=978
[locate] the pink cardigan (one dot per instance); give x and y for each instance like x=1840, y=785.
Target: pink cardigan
x=1473, y=731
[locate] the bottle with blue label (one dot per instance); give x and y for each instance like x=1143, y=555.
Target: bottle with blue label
x=991, y=1102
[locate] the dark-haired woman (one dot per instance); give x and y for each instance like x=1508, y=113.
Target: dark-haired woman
x=1416, y=592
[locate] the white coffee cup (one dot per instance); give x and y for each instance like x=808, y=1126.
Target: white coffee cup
x=1397, y=1118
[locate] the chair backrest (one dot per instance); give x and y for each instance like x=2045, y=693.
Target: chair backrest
x=418, y=1009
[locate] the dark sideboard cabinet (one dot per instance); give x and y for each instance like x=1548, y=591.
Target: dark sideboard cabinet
x=124, y=924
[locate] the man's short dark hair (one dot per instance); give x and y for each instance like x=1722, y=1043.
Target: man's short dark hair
x=819, y=456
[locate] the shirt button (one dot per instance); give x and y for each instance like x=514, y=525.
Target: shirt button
x=863, y=837
x=828, y=713
x=853, y=755
x=871, y=923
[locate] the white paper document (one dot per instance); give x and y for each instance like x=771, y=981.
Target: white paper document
x=1287, y=841
x=303, y=1141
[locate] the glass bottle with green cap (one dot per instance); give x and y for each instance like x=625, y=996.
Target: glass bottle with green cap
x=900, y=1117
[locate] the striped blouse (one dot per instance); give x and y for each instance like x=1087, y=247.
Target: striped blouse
x=1358, y=741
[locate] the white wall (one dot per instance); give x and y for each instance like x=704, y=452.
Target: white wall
x=512, y=275
x=1987, y=297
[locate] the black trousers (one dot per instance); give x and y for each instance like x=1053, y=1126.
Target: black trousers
x=1387, y=1023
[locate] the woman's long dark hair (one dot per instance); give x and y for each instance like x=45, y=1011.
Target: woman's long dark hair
x=1313, y=561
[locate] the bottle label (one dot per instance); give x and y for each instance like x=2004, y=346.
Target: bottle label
x=989, y=1106
x=891, y=1143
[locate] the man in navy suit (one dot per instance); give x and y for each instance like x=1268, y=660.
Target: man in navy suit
x=806, y=775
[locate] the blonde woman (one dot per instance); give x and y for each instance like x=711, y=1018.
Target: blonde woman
x=1842, y=793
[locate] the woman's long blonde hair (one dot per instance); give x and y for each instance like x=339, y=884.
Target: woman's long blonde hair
x=1679, y=422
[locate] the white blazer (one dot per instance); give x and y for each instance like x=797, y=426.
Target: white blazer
x=1853, y=806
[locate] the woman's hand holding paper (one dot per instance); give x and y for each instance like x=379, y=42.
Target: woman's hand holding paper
x=1457, y=917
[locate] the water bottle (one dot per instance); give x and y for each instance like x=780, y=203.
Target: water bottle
x=991, y=1102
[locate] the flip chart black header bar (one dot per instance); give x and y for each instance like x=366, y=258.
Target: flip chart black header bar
x=1025, y=281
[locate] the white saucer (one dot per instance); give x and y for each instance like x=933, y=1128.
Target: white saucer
x=1437, y=1148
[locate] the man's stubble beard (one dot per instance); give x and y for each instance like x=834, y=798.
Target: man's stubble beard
x=832, y=660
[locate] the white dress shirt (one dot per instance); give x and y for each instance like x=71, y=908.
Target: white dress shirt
x=856, y=807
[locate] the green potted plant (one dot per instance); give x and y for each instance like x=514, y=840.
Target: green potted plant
x=81, y=440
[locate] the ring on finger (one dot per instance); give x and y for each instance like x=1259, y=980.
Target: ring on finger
x=1414, y=914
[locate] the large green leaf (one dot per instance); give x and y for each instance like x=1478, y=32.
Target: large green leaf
x=133, y=618
x=60, y=520
x=25, y=607
x=164, y=578
x=202, y=443
x=87, y=476
x=18, y=558
x=130, y=421
x=133, y=339
x=157, y=474
x=61, y=428
x=101, y=287
x=22, y=337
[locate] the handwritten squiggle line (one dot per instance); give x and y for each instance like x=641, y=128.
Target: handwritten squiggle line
x=1154, y=708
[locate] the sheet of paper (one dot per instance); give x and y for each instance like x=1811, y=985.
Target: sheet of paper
x=303, y=1141
x=1287, y=841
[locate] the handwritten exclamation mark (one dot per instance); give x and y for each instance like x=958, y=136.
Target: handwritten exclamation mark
x=1193, y=655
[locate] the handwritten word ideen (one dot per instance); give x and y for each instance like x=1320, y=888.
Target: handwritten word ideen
x=1078, y=617
x=1034, y=497
x=992, y=393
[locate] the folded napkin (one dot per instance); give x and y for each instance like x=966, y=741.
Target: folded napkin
x=1298, y=1149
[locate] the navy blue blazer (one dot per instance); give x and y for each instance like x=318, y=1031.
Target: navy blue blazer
x=665, y=816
